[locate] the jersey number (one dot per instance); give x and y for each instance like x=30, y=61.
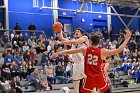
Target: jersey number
x=92, y=59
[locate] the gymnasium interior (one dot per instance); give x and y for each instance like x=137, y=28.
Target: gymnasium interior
x=27, y=40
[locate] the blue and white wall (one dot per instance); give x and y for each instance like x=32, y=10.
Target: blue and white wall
x=23, y=12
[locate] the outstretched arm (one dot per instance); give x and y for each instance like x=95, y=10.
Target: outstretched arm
x=61, y=37
x=106, y=71
x=106, y=52
x=76, y=41
x=71, y=51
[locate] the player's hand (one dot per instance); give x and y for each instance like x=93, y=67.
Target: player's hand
x=54, y=55
x=108, y=80
x=59, y=42
x=128, y=34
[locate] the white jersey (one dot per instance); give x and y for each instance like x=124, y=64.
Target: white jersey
x=78, y=66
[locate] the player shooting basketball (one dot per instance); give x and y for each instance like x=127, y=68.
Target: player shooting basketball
x=93, y=63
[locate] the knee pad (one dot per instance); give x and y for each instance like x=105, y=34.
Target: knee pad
x=108, y=91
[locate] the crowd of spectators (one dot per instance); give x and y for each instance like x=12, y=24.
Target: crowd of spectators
x=23, y=52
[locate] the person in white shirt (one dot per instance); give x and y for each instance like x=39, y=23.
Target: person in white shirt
x=25, y=47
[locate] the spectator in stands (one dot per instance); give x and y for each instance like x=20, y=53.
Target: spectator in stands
x=4, y=38
x=40, y=47
x=29, y=68
x=50, y=74
x=43, y=79
x=98, y=32
x=23, y=70
x=14, y=69
x=105, y=33
x=54, y=60
x=1, y=62
x=17, y=28
x=5, y=86
x=112, y=34
x=6, y=71
x=44, y=59
x=32, y=28
x=16, y=85
x=137, y=34
x=59, y=70
x=25, y=47
x=126, y=49
x=18, y=58
x=1, y=28
x=20, y=40
x=133, y=44
x=26, y=37
x=49, y=47
x=34, y=80
x=12, y=35
x=15, y=38
x=32, y=54
x=31, y=42
x=69, y=68
x=26, y=56
x=8, y=57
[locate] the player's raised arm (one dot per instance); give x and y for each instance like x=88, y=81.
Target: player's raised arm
x=106, y=52
x=76, y=41
x=71, y=51
x=61, y=37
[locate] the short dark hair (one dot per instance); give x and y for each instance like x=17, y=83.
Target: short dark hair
x=95, y=39
x=80, y=29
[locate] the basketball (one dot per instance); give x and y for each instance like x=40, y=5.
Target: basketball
x=57, y=27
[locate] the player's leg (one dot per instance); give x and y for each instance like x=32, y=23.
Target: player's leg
x=88, y=85
x=76, y=86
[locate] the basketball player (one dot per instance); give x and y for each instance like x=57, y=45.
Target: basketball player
x=93, y=63
x=78, y=58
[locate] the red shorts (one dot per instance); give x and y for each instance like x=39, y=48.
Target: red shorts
x=90, y=83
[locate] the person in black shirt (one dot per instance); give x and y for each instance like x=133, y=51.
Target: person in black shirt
x=6, y=71
x=59, y=70
x=18, y=28
x=31, y=27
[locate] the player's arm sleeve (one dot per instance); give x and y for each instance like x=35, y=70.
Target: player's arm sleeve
x=106, y=69
x=73, y=51
x=76, y=41
x=107, y=52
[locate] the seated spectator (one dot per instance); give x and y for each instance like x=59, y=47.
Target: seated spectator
x=59, y=71
x=32, y=54
x=26, y=56
x=23, y=70
x=1, y=61
x=14, y=69
x=6, y=71
x=29, y=68
x=50, y=74
x=43, y=80
x=4, y=38
x=34, y=80
x=25, y=47
x=40, y=47
x=8, y=57
x=5, y=86
x=31, y=42
x=20, y=40
x=18, y=58
x=16, y=85
x=44, y=59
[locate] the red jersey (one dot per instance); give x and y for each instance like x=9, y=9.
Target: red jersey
x=93, y=62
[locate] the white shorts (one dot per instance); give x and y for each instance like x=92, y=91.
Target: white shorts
x=78, y=71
